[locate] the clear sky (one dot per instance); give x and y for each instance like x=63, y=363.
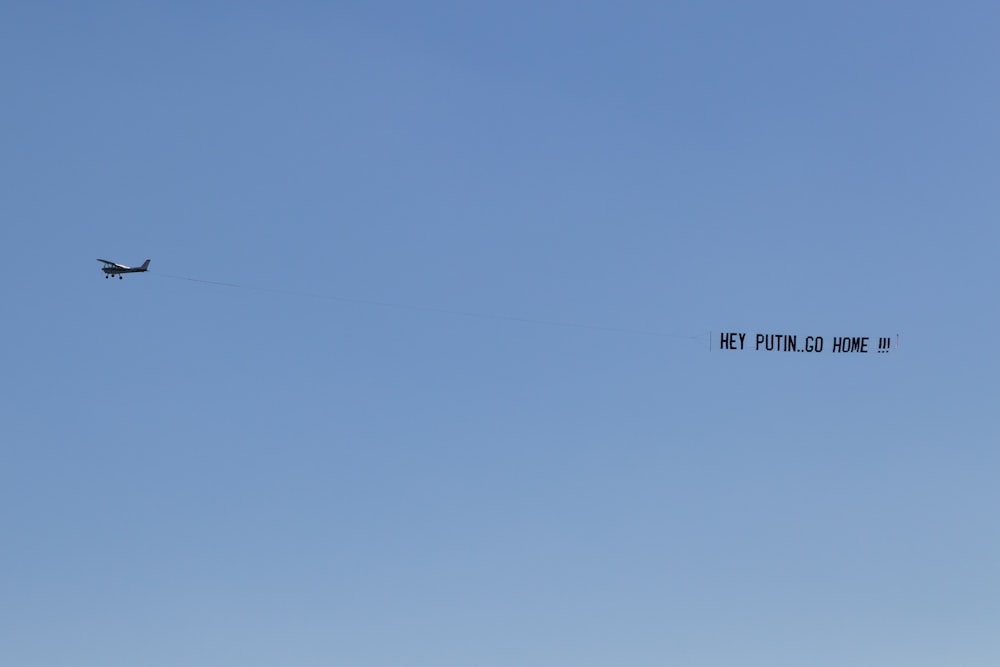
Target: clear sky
x=273, y=474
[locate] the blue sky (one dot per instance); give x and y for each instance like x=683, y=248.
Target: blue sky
x=287, y=473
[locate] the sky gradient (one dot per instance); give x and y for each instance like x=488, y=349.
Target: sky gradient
x=284, y=471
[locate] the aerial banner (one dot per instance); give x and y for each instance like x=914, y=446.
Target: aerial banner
x=772, y=342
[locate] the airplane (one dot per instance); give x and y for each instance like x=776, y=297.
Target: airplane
x=112, y=269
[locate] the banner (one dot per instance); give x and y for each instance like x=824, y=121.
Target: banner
x=770, y=342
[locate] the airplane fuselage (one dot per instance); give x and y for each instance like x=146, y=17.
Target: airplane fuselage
x=114, y=270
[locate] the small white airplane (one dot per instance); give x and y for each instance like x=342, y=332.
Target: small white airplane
x=112, y=269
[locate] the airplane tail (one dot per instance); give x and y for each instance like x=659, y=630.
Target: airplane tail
x=145, y=265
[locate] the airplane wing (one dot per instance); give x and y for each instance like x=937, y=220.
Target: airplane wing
x=120, y=266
